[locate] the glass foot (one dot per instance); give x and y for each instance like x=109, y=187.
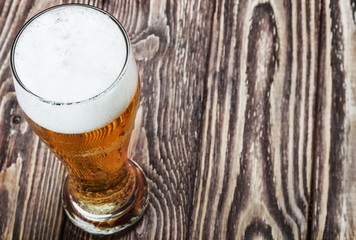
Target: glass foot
x=116, y=221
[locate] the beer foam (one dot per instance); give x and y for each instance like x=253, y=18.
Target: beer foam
x=76, y=60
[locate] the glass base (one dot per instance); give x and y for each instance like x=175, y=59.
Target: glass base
x=115, y=221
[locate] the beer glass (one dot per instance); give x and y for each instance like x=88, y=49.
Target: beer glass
x=77, y=83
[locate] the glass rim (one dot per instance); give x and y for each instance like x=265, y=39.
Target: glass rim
x=42, y=99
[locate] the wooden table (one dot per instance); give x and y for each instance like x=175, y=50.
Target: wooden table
x=246, y=125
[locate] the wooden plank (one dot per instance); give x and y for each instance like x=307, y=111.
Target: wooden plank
x=254, y=172
x=171, y=43
x=334, y=213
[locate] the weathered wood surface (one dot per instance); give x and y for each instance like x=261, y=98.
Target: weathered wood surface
x=334, y=211
x=245, y=129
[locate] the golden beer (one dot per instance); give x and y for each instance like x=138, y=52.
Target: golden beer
x=97, y=160
x=105, y=191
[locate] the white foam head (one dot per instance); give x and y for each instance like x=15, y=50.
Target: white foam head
x=74, y=69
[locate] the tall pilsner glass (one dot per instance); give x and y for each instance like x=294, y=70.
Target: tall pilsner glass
x=77, y=83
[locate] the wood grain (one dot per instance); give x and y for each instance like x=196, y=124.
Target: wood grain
x=334, y=213
x=245, y=127
x=256, y=156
